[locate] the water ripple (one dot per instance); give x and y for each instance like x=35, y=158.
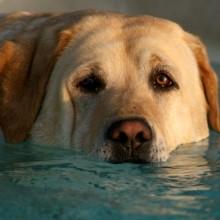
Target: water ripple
x=44, y=183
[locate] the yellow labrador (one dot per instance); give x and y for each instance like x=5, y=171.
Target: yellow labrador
x=127, y=88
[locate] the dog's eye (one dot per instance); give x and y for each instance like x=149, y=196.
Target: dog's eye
x=162, y=81
x=91, y=84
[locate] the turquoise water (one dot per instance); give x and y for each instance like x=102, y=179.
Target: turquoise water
x=38, y=182
x=50, y=183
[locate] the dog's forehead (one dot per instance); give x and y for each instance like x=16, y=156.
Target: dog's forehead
x=118, y=23
x=106, y=35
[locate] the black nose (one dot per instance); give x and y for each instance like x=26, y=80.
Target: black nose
x=130, y=133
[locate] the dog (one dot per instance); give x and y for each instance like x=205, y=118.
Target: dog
x=126, y=88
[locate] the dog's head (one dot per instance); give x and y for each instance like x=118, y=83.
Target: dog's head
x=127, y=88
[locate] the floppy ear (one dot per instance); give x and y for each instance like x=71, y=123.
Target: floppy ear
x=208, y=78
x=25, y=67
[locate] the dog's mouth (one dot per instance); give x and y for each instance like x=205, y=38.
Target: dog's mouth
x=115, y=153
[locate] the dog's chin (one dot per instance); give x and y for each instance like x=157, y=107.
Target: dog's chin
x=148, y=154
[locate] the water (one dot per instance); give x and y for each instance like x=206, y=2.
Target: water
x=50, y=183
x=38, y=182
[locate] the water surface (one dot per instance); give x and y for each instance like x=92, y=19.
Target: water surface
x=39, y=182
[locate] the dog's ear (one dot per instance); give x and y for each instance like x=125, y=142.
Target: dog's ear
x=208, y=78
x=26, y=63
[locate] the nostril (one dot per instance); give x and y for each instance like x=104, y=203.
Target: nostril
x=119, y=136
x=122, y=138
x=141, y=137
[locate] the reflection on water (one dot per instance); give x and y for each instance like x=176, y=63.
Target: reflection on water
x=45, y=183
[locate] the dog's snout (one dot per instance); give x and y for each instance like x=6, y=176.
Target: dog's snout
x=132, y=133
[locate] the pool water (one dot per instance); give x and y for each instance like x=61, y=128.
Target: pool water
x=38, y=182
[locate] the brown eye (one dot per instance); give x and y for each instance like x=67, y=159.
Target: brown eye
x=162, y=81
x=91, y=84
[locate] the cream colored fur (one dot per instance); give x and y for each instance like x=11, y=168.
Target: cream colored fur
x=69, y=118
